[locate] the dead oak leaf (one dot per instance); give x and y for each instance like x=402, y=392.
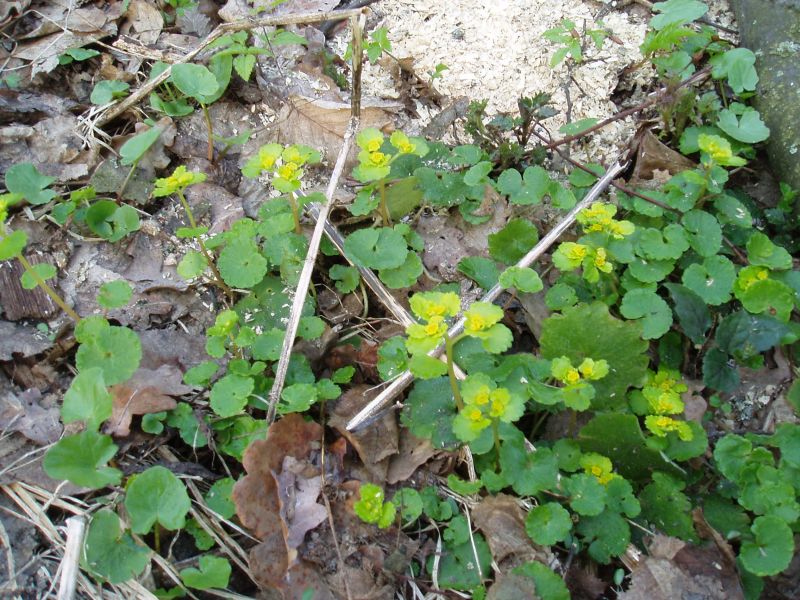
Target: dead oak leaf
x=148, y=391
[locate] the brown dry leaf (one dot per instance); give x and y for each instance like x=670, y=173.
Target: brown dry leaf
x=413, y=452
x=676, y=569
x=652, y=156
x=260, y=507
x=26, y=414
x=374, y=444
x=299, y=485
x=322, y=123
x=503, y=524
x=302, y=6
x=148, y=391
x=512, y=587
x=144, y=22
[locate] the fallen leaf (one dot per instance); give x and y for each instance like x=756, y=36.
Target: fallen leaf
x=148, y=391
x=375, y=443
x=144, y=22
x=25, y=414
x=22, y=341
x=512, y=587
x=297, y=494
x=652, y=156
x=413, y=452
x=502, y=522
x=676, y=569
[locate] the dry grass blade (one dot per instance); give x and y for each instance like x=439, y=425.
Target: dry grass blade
x=405, y=379
x=316, y=238
x=76, y=530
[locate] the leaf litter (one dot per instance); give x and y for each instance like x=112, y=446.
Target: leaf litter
x=278, y=499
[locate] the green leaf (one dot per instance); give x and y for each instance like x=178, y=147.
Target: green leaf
x=298, y=397
x=392, y=358
x=13, y=244
x=478, y=174
x=525, y=189
x=705, y=234
x=665, y=505
x=25, y=179
x=620, y=497
x=457, y=566
x=589, y=331
x=720, y=371
x=608, y=535
x=114, y=294
x=192, y=265
x=382, y=248
x=587, y=496
x=81, y=459
x=346, y=278
x=692, y=312
x=619, y=437
x=194, y=80
x=560, y=296
x=87, y=399
x=732, y=211
x=650, y=271
x=156, y=495
x=429, y=412
x=405, y=275
x=219, y=496
x=549, y=585
x=650, y=308
x=243, y=64
x=762, y=251
x=769, y=297
x=105, y=91
x=748, y=128
x=409, y=503
x=548, y=524
x=310, y=328
x=578, y=126
x=111, y=221
x=481, y=270
x=513, y=241
x=667, y=244
x=241, y=264
x=712, y=279
x=426, y=367
x=528, y=472
x=133, y=149
x=44, y=271
x=183, y=418
x=111, y=553
x=79, y=54
x=115, y=350
x=745, y=335
x=214, y=572
x=773, y=547
x=676, y=12
x=230, y=393
x=738, y=65
x=524, y=279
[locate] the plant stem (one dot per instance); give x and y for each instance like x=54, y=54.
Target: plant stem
x=47, y=289
x=210, y=152
x=127, y=180
x=496, y=435
x=41, y=282
x=387, y=220
x=448, y=345
x=217, y=277
x=295, y=213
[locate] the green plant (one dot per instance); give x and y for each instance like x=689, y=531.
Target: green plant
x=572, y=41
x=371, y=508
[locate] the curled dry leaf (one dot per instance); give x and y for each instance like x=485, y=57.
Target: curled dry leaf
x=676, y=569
x=148, y=391
x=374, y=444
x=502, y=522
x=299, y=486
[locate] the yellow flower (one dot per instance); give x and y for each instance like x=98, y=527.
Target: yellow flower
x=378, y=159
x=500, y=399
x=598, y=466
x=600, y=258
x=576, y=252
x=481, y=316
x=430, y=304
x=178, y=181
x=660, y=425
x=593, y=369
x=374, y=145
x=435, y=327
x=481, y=397
x=718, y=148
x=288, y=171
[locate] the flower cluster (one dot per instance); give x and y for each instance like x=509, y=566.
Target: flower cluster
x=662, y=392
x=599, y=466
x=484, y=403
x=177, y=182
x=570, y=255
x=577, y=392
x=600, y=217
x=284, y=164
x=717, y=150
x=376, y=156
x=480, y=321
